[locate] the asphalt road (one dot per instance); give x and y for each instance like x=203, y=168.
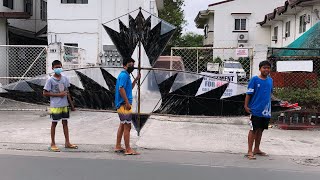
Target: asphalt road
x=13, y=167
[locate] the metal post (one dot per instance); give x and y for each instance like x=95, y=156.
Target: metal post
x=171, y=54
x=139, y=92
x=251, y=62
x=197, y=60
x=139, y=84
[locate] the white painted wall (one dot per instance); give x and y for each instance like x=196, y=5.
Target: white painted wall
x=3, y=54
x=224, y=21
x=82, y=23
x=210, y=36
x=3, y=32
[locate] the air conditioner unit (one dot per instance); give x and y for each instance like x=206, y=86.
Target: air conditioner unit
x=274, y=38
x=243, y=36
x=243, y=45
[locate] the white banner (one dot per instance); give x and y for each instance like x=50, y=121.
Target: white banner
x=218, y=80
x=294, y=66
x=242, y=52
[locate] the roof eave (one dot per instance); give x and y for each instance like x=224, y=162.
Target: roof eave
x=202, y=17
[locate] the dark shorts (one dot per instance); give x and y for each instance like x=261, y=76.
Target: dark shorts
x=259, y=123
x=57, y=114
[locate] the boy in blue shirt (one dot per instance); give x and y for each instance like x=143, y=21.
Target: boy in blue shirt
x=123, y=102
x=258, y=104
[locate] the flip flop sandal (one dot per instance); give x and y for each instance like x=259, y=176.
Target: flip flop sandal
x=261, y=154
x=250, y=157
x=132, y=154
x=53, y=149
x=119, y=151
x=71, y=147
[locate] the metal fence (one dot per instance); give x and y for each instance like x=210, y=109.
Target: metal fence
x=18, y=63
x=25, y=62
x=72, y=57
x=216, y=60
x=21, y=62
x=295, y=74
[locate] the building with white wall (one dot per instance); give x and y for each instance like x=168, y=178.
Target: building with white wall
x=233, y=23
x=79, y=22
x=288, y=22
x=22, y=22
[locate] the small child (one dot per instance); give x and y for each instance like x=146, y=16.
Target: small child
x=56, y=88
x=258, y=104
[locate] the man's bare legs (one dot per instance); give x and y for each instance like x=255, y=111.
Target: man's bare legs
x=126, y=136
x=119, y=138
x=124, y=130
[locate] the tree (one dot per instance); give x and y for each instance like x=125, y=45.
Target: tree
x=173, y=14
x=218, y=60
x=191, y=40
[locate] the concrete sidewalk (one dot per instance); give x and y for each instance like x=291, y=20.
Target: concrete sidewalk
x=32, y=130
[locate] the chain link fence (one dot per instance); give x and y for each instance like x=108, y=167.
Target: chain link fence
x=295, y=74
x=19, y=63
x=215, y=60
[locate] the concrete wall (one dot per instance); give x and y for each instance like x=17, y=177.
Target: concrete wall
x=82, y=23
x=224, y=21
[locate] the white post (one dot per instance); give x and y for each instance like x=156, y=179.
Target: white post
x=260, y=54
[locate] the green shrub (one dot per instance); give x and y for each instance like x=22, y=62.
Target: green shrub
x=308, y=98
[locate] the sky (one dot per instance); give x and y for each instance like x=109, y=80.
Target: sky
x=191, y=9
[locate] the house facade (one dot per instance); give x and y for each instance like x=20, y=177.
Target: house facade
x=233, y=23
x=288, y=22
x=22, y=22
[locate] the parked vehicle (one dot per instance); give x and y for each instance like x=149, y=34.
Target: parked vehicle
x=233, y=67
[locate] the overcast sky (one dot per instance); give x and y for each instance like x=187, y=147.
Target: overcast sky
x=191, y=9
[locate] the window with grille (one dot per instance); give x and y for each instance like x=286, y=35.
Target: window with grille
x=74, y=1
x=43, y=10
x=8, y=3
x=240, y=25
x=206, y=31
x=287, y=33
x=275, y=31
x=303, y=24
x=28, y=6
